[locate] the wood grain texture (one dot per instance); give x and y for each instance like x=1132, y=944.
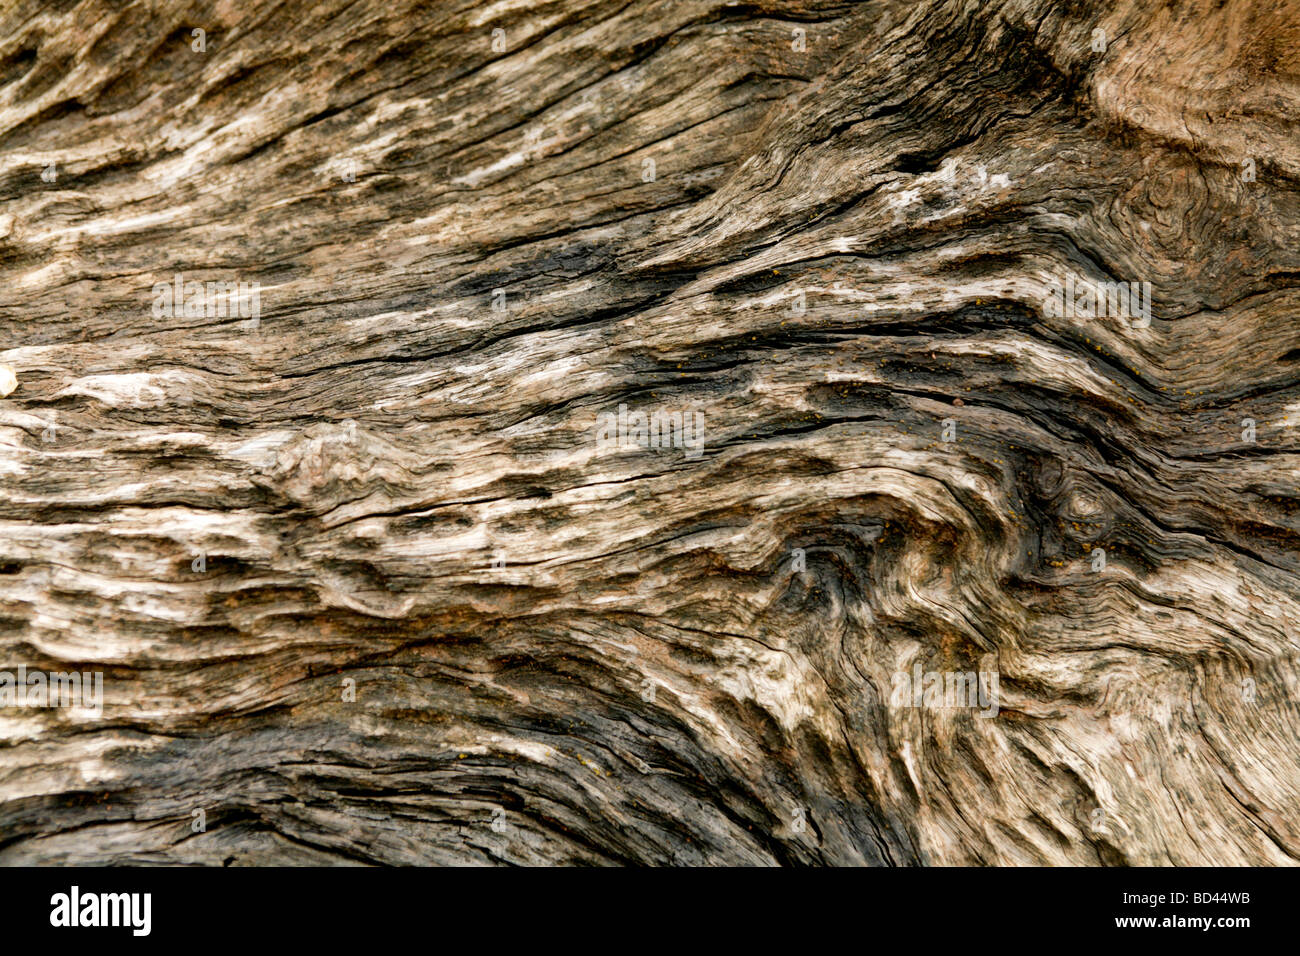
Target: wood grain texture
x=840, y=257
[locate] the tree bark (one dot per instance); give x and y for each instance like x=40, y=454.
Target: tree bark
x=379, y=566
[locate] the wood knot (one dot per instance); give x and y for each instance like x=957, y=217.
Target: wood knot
x=328, y=464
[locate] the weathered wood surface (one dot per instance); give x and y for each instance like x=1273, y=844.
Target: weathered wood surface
x=848, y=240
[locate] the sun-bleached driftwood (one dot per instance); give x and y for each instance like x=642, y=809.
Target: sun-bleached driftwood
x=332, y=326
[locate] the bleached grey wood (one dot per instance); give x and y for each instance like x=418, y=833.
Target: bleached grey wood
x=856, y=214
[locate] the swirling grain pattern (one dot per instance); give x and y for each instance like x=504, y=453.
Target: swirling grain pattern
x=575, y=431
